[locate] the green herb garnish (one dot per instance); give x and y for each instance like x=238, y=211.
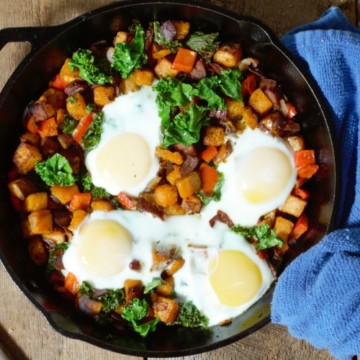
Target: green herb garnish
x=56, y=170
x=154, y=283
x=53, y=254
x=69, y=125
x=204, y=44
x=93, y=134
x=189, y=316
x=84, y=61
x=216, y=195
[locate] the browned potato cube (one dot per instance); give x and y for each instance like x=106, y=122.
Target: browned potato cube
x=132, y=289
x=167, y=288
x=64, y=193
x=182, y=29
x=234, y=109
x=66, y=74
x=192, y=204
x=228, y=55
x=165, y=195
x=78, y=216
x=142, y=77
x=101, y=205
x=260, y=102
x=57, y=236
x=21, y=188
x=76, y=106
x=54, y=97
x=37, y=251
x=121, y=37
x=128, y=85
x=188, y=185
x=214, y=136
x=103, y=95
x=296, y=142
x=175, y=209
x=36, y=201
x=174, y=175
x=159, y=52
x=165, y=309
x=26, y=157
x=294, y=206
x=283, y=227
x=40, y=222
x=164, y=69
x=171, y=156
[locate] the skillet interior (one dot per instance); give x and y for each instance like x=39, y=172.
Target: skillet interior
x=31, y=79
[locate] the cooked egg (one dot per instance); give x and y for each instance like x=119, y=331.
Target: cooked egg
x=124, y=160
x=258, y=176
x=222, y=274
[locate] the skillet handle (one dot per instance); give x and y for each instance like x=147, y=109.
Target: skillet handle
x=37, y=36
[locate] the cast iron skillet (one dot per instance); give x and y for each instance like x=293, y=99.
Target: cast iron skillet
x=50, y=46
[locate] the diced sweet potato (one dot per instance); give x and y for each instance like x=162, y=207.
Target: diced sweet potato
x=192, y=204
x=214, y=136
x=165, y=309
x=54, y=97
x=174, y=175
x=56, y=237
x=228, y=55
x=167, y=288
x=76, y=106
x=182, y=29
x=173, y=210
x=66, y=74
x=121, y=37
x=249, y=119
x=171, y=156
x=36, y=201
x=283, y=227
x=64, y=193
x=294, y=206
x=142, y=77
x=48, y=127
x=78, y=216
x=260, y=102
x=37, y=251
x=103, y=95
x=175, y=266
x=21, y=188
x=128, y=85
x=158, y=52
x=188, y=185
x=40, y=222
x=164, y=69
x=26, y=157
x=80, y=201
x=101, y=205
x=165, y=195
x=132, y=289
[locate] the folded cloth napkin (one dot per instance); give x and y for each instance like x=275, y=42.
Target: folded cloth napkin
x=318, y=295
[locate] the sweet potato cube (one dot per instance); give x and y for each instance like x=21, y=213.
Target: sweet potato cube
x=214, y=136
x=36, y=201
x=260, y=102
x=66, y=74
x=165, y=195
x=142, y=77
x=128, y=85
x=21, y=188
x=103, y=95
x=64, y=193
x=80, y=201
x=175, y=209
x=26, y=157
x=76, y=106
x=40, y=222
x=188, y=185
x=167, y=288
x=56, y=236
x=132, y=289
x=171, y=156
x=174, y=175
x=283, y=227
x=158, y=52
x=101, y=205
x=121, y=37
x=164, y=69
x=175, y=266
x=182, y=29
x=37, y=251
x=165, y=309
x=54, y=97
x=249, y=119
x=228, y=55
x=294, y=206
x=78, y=216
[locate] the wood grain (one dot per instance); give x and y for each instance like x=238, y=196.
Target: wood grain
x=24, y=332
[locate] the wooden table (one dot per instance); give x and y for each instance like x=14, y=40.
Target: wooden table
x=24, y=332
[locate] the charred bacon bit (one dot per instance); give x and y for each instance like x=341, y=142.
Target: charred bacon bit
x=168, y=30
x=198, y=72
x=189, y=165
x=75, y=87
x=221, y=217
x=146, y=206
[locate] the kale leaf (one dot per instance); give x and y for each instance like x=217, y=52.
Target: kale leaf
x=190, y=316
x=93, y=134
x=69, y=125
x=97, y=192
x=111, y=300
x=204, y=44
x=159, y=38
x=130, y=56
x=56, y=170
x=54, y=253
x=84, y=61
x=216, y=195
x=86, y=289
x=264, y=236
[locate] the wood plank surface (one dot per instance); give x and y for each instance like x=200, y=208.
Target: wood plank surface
x=24, y=332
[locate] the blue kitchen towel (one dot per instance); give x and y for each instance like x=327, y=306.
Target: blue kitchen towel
x=318, y=295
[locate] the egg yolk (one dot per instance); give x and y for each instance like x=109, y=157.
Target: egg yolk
x=103, y=247
x=234, y=277
x=263, y=174
x=124, y=161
